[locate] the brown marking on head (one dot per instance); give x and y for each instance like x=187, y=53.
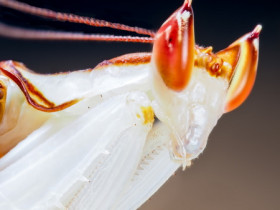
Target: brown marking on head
x=127, y=59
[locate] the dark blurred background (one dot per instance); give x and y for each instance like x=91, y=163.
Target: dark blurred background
x=239, y=169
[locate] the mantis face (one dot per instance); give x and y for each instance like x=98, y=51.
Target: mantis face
x=184, y=72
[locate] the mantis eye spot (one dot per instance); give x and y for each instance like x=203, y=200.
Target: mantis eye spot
x=170, y=40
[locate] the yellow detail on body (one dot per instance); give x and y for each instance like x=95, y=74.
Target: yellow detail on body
x=148, y=114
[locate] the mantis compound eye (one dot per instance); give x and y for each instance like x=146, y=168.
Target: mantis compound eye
x=173, y=50
x=243, y=57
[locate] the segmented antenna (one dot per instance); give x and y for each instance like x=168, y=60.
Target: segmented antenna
x=15, y=32
x=46, y=13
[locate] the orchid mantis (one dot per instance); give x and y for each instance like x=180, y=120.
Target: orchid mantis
x=116, y=132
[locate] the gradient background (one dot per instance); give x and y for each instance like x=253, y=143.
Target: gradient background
x=239, y=169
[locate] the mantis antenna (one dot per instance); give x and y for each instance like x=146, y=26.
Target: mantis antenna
x=20, y=33
x=15, y=32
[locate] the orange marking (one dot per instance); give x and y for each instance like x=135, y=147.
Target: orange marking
x=33, y=96
x=244, y=71
x=173, y=50
x=3, y=95
x=128, y=59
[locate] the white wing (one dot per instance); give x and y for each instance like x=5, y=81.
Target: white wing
x=90, y=158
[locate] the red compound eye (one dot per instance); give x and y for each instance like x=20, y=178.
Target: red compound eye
x=173, y=51
x=243, y=57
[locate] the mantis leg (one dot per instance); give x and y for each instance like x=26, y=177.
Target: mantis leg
x=154, y=170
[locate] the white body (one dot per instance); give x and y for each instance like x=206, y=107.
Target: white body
x=102, y=153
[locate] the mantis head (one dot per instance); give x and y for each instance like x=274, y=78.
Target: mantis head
x=184, y=72
x=175, y=56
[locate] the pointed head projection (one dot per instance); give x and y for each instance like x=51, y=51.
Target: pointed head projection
x=173, y=50
x=242, y=55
